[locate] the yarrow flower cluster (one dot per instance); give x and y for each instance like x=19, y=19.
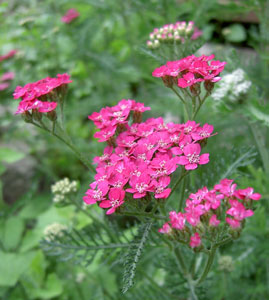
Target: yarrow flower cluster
x=232, y=86
x=34, y=95
x=141, y=157
x=63, y=188
x=221, y=208
x=178, y=32
x=190, y=72
x=4, y=80
x=70, y=15
x=53, y=231
x=10, y=54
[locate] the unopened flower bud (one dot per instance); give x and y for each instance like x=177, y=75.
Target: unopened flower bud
x=209, y=85
x=156, y=44
x=52, y=115
x=27, y=117
x=177, y=38
x=195, y=89
x=170, y=36
x=37, y=115
x=149, y=44
x=152, y=36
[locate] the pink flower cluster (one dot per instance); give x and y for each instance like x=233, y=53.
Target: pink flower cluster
x=190, y=70
x=33, y=94
x=177, y=32
x=70, y=15
x=8, y=76
x=211, y=207
x=141, y=157
x=10, y=54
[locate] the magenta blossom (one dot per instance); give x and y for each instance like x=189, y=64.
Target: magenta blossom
x=187, y=80
x=192, y=157
x=165, y=229
x=177, y=220
x=70, y=15
x=214, y=221
x=116, y=197
x=195, y=240
x=247, y=194
x=190, y=71
x=207, y=209
x=10, y=54
x=140, y=157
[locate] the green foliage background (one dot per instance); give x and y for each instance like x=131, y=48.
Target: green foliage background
x=104, y=51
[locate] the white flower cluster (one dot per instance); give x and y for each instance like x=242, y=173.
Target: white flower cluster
x=232, y=86
x=226, y=263
x=62, y=188
x=54, y=230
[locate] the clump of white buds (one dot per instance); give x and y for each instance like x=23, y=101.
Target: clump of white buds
x=54, y=230
x=62, y=188
x=173, y=33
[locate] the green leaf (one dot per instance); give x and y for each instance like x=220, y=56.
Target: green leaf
x=235, y=33
x=2, y=169
x=13, y=230
x=31, y=240
x=53, y=287
x=12, y=266
x=133, y=256
x=10, y=155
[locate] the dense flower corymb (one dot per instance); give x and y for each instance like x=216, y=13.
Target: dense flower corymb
x=34, y=95
x=140, y=157
x=8, y=55
x=190, y=71
x=211, y=209
x=4, y=80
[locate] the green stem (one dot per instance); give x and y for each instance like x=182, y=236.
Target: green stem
x=183, y=174
x=179, y=96
x=208, y=264
x=96, y=220
x=181, y=261
x=201, y=102
x=154, y=284
x=69, y=143
x=223, y=242
x=187, y=275
x=260, y=141
x=141, y=214
x=182, y=194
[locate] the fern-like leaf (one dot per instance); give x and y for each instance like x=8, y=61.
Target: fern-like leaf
x=134, y=255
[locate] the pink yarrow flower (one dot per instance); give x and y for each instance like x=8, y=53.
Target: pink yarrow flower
x=70, y=15
x=248, y=193
x=195, y=240
x=165, y=229
x=177, y=220
x=33, y=94
x=192, y=157
x=190, y=71
x=116, y=197
x=10, y=54
x=214, y=221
